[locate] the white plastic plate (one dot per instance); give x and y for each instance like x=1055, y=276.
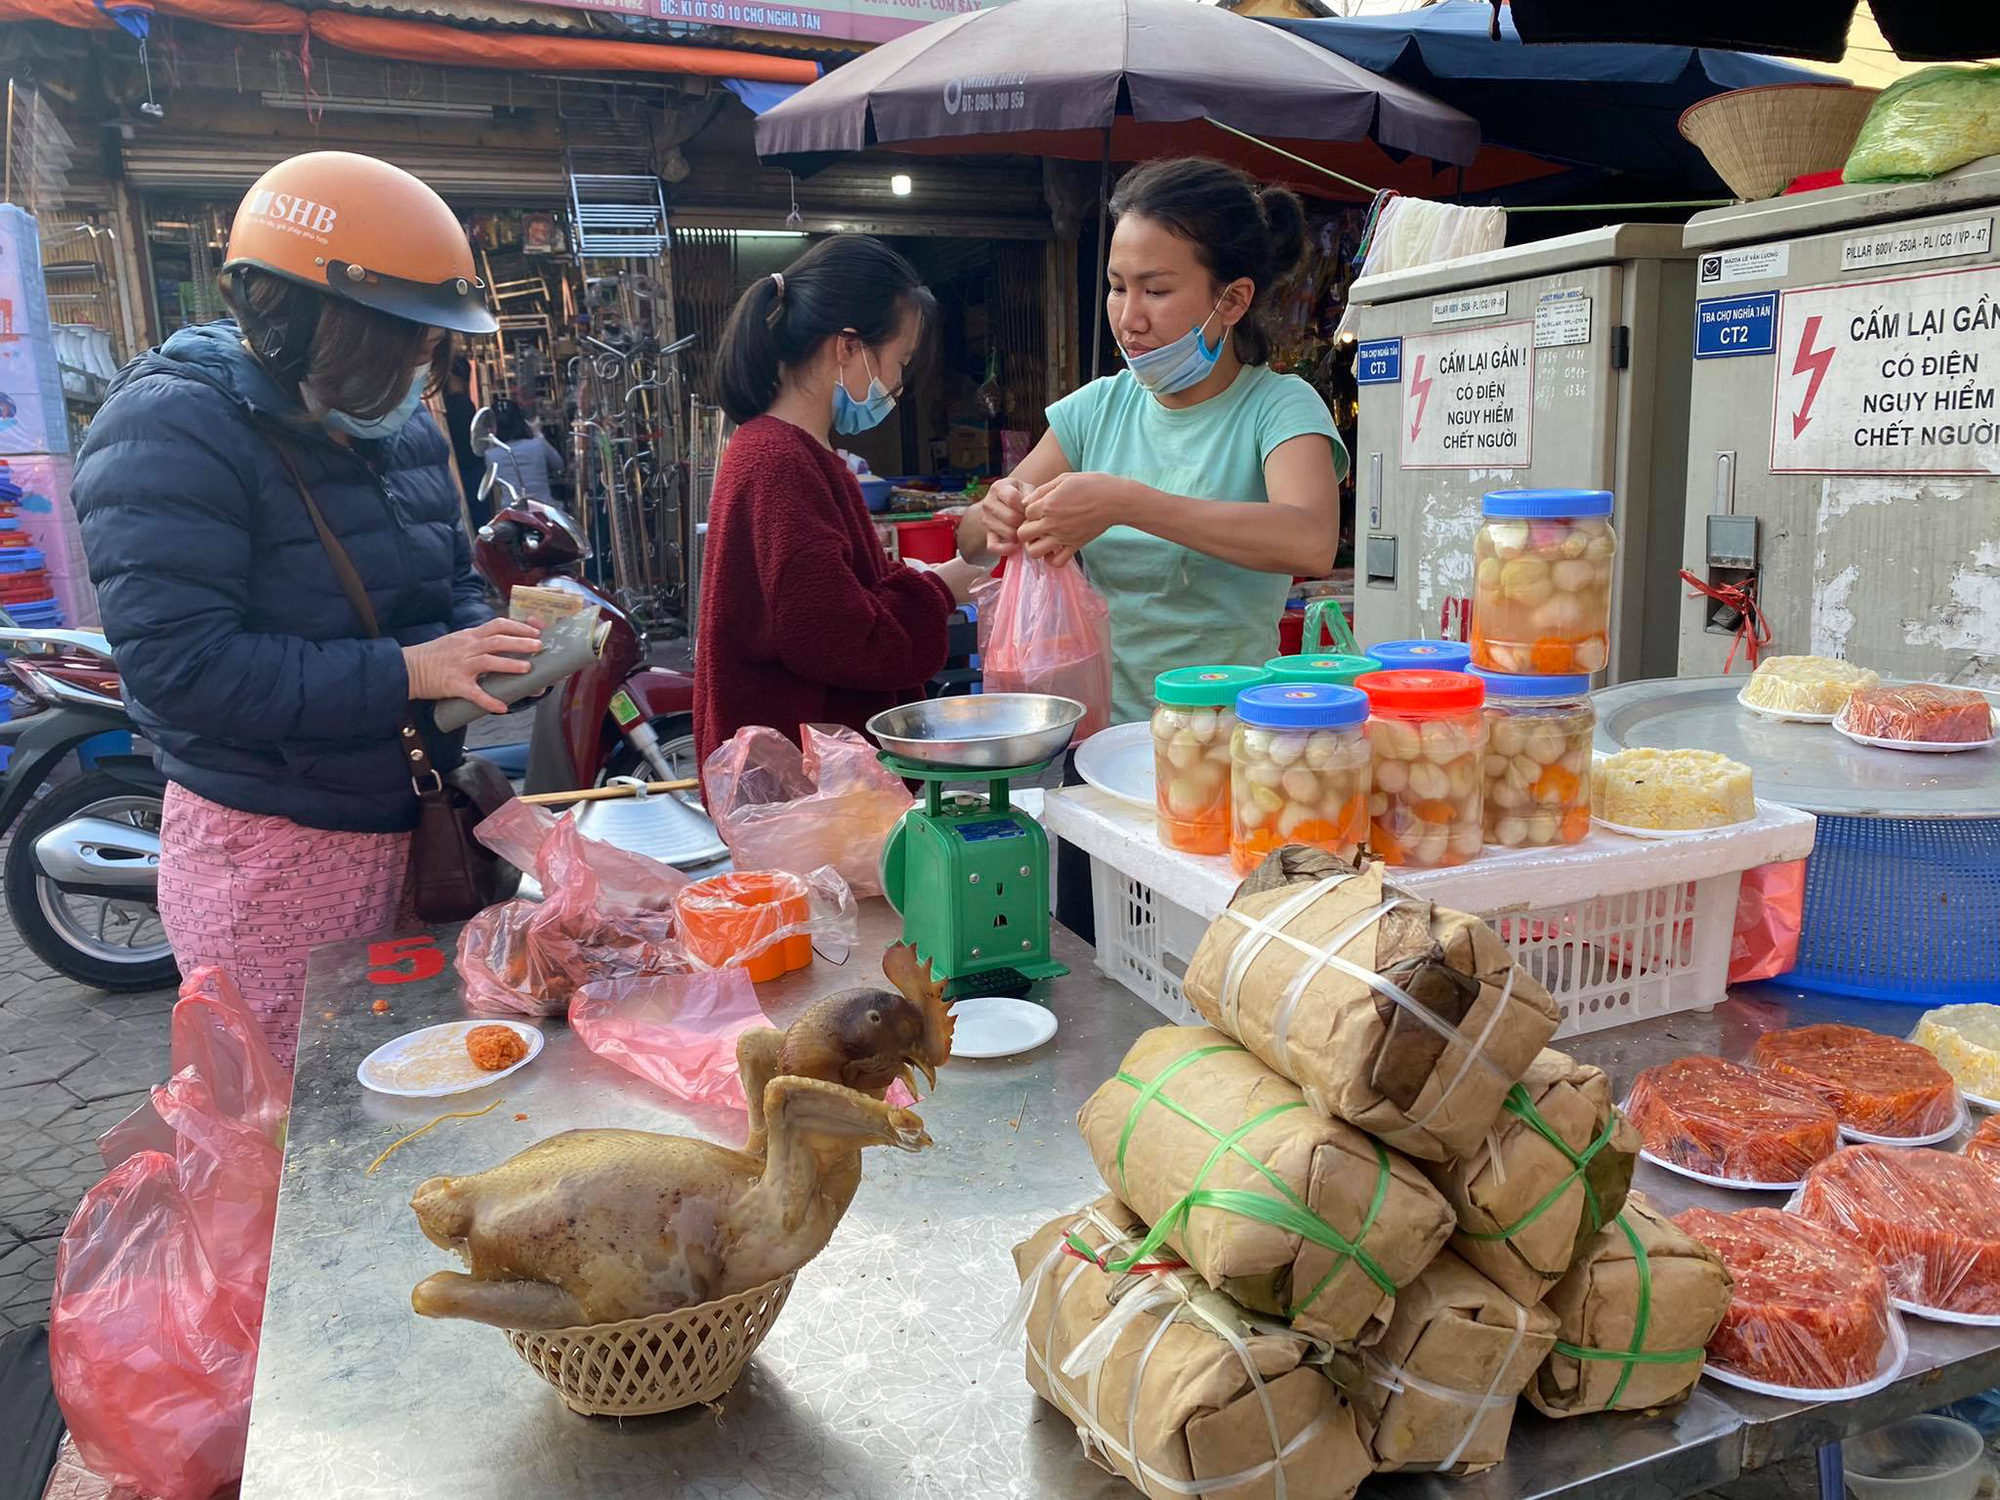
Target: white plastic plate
x=1119, y=760
x=997, y=1026
x=1991, y=1106
x=1894, y=1352
x=1941, y=1315
x=1783, y=716
x=1664, y=833
x=432, y=1063
x=1734, y=1183
x=1936, y=1137
x=1915, y=747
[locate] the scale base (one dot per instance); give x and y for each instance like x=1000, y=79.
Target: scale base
x=1013, y=981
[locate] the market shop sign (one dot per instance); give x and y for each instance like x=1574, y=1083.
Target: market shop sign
x=846, y=20
x=1469, y=398
x=1898, y=375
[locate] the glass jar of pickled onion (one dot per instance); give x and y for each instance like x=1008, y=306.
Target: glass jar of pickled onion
x=1194, y=719
x=1328, y=670
x=1300, y=771
x=1426, y=801
x=1541, y=590
x=1538, y=734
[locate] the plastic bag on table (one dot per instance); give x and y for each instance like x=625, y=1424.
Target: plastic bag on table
x=1930, y=1220
x=1770, y=910
x=676, y=1031
x=1926, y=124
x=1044, y=629
x=169, y=1255
x=738, y=919
x=779, y=807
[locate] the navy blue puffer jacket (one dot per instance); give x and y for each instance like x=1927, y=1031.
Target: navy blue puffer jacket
x=242, y=660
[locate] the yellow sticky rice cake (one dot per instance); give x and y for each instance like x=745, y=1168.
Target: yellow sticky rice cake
x=1965, y=1039
x=1806, y=684
x=1671, y=790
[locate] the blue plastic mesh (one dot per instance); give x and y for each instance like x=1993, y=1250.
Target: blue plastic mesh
x=1903, y=909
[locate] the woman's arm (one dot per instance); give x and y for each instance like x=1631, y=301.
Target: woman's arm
x=986, y=532
x=1297, y=534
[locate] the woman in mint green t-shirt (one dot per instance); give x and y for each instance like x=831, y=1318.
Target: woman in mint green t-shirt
x=1197, y=482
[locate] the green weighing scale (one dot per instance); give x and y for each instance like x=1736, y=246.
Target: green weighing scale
x=968, y=872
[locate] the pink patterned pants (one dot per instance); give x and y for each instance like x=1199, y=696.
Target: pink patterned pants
x=254, y=894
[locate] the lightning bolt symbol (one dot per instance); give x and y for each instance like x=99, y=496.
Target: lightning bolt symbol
x=1815, y=360
x=1421, y=389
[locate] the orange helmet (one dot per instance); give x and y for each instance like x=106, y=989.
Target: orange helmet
x=355, y=227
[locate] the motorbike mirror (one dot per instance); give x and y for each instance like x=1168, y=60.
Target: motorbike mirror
x=484, y=440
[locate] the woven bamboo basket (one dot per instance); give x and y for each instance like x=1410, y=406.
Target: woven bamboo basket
x=662, y=1363
x=1759, y=139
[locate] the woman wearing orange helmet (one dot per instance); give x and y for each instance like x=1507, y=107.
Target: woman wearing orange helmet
x=275, y=703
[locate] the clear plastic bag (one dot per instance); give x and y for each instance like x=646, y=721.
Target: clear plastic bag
x=1879, y=1085
x=766, y=922
x=1044, y=629
x=780, y=807
x=1770, y=911
x=1983, y=1147
x=676, y=1031
x=1930, y=1220
x=607, y=912
x=1810, y=1309
x=168, y=1257
x=1926, y=124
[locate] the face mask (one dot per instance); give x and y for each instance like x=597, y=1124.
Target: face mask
x=851, y=416
x=1176, y=366
x=391, y=422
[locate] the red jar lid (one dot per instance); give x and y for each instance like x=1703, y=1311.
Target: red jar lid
x=1422, y=693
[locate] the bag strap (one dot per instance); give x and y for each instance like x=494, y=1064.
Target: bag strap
x=422, y=770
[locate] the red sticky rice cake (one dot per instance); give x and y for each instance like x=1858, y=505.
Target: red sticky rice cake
x=1730, y=1121
x=1930, y=1219
x=1876, y=1084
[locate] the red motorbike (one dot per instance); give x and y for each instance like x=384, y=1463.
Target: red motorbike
x=622, y=715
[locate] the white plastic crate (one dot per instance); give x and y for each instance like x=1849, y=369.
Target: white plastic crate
x=1618, y=929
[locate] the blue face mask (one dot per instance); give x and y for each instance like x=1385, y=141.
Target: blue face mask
x=391, y=422
x=851, y=416
x=1176, y=366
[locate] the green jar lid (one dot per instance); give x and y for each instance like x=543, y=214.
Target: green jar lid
x=1205, y=687
x=1321, y=667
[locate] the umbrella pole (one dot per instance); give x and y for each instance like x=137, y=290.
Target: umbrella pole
x=1103, y=255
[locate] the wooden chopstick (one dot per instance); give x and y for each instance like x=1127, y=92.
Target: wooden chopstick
x=607, y=793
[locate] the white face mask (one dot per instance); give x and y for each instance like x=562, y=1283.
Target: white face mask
x=1176, y=366
x=391, y=422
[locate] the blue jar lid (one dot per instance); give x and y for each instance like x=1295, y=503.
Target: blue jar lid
x=1508, y=685
x=1422, y=656
x=1546, y=505
x=1302, y=705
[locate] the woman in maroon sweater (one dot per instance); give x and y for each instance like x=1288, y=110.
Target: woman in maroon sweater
x=804, y=620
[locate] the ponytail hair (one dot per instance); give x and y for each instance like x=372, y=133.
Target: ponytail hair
x=848, y=282
x=1239, y=230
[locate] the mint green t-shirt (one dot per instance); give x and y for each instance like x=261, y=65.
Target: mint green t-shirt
x=1170, y=605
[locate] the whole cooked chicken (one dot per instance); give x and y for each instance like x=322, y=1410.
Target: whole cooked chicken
x=596, y=1226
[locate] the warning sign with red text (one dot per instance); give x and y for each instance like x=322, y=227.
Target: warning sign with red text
x=1896, y=376
x=1469, y=398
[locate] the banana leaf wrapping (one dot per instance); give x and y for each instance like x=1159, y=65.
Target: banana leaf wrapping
x=1637, y=1311
x=1172, y=1385
x=1408, y=1021
x=1288, y=1212
x=1439, y=1389
x=1552, y=1171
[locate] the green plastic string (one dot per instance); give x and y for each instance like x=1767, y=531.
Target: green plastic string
x=1520, y=1105
x=1293, y=1215
x=1636, y=1355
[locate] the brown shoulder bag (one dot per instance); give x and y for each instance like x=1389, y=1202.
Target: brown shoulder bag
x=452, y=874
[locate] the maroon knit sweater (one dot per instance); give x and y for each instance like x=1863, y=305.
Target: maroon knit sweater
x=804, y=619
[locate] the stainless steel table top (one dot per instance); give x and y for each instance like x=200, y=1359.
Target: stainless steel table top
x=882, y=1378
x=1807, y=766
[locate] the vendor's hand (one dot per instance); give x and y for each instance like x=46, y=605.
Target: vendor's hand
x=1070, y=512
x=1001, y=512
x=450, y=666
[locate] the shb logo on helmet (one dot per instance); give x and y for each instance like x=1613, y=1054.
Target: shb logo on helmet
x=290, y=209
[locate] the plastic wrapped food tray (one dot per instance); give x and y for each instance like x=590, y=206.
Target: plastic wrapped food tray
x=1918, y=716
x=1965, y=1039
x=1811, y=689
x=1984, y=1146
x=1883, y=1088
x=1670, y=790
x=1734, y=1126
x=1810, y=1312
x=1931, y=1221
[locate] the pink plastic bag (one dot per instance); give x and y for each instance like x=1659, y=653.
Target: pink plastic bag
x=159, y=1286
x=676, y=1031
x=1046, y=630
x=606, y=912
x=1770, y=911
x=782, y=808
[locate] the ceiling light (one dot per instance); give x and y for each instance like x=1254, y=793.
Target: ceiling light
x=900, y=184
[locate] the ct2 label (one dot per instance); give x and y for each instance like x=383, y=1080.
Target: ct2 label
x=1728, y=326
